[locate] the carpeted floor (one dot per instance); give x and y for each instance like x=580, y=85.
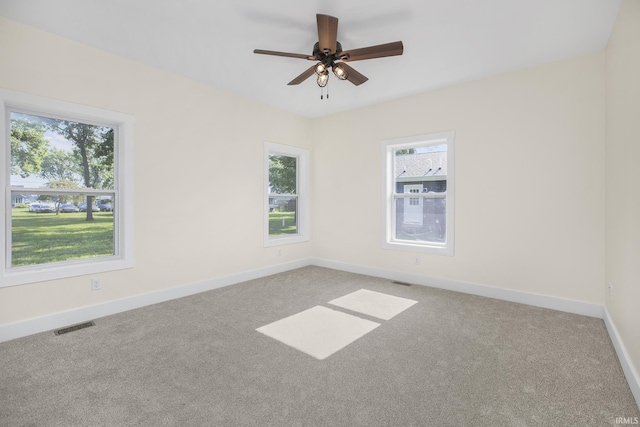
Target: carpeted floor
x=449, y=360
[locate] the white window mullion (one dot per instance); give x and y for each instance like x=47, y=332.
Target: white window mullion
x=420, y=195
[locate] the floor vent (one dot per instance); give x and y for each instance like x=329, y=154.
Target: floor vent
x=402, y=283
x=73, y=328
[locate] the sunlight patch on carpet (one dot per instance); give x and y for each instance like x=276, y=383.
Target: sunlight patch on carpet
x=318, y=331
x=374, y=304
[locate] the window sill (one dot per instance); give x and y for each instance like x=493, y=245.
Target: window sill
x=277, y=241
x=62, y=270
x=399, y=245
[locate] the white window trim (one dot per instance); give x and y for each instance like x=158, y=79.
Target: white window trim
x=123, y=163
x=388, y=239
x=303, y=193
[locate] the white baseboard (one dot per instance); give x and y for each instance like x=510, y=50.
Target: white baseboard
x=83, y=314
x=629, y=370
x=537, y=300
x=65, y=318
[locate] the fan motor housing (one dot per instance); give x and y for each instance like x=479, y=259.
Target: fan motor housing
x=327, y=58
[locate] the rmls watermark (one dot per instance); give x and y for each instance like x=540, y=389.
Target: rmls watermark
x=627, y=421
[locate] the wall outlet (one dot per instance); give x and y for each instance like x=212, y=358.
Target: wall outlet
x=610, y=290
x=279, y=252
x=96, y=284
x=416, y=260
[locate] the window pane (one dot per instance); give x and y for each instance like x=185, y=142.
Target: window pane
x=421, y=221
x=426, y=164
x=53, y=228
x=55, y=153
x=283, y=178
x=420, y=170
x=283, y=216
x=48, y=152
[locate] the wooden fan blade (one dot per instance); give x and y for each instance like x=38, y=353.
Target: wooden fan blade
x=371, y=52
x=304, y=76
x=288, y=55
x=353, y=76
x=327, y=32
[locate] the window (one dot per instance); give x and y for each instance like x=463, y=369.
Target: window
x=67, y=176
x=418, y=196
x=286, y=198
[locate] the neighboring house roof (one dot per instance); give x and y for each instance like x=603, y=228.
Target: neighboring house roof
x=419, y=165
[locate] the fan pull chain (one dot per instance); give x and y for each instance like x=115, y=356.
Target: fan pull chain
x=322, y=91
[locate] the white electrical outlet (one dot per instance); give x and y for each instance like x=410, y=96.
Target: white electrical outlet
x=416, y=260
x=96, y=284
x=610, y=289
x=279, y=252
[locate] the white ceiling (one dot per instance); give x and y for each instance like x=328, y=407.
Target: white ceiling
x=212, y=41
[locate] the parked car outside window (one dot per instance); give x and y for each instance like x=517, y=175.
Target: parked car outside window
x=40, y=208
x=68, y=208
x=82, y=207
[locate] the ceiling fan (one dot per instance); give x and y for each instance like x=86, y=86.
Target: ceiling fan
x=329, y=55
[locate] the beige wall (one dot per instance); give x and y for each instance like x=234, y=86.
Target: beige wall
x=623, y=176
x=198, y=169
x=529, y=156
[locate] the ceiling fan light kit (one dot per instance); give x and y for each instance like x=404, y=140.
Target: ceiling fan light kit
x=340, y=72
x=329, y=54
x=323, y=79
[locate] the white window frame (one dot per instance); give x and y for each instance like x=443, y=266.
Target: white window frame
x=389, y=240
x=302, y=186
x=123, y=189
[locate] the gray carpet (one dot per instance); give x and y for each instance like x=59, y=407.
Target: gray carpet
x=450, y=360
